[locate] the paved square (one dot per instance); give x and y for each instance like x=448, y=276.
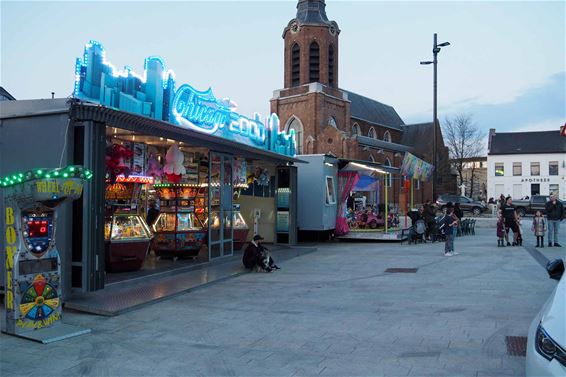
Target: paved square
x=332, y=312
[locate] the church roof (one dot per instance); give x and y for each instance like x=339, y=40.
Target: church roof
x=312, y=12
x=373, y=111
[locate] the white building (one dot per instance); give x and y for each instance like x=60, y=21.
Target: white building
x=526, y=163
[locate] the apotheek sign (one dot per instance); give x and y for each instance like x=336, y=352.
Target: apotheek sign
x=535, y=180
x=154, y=95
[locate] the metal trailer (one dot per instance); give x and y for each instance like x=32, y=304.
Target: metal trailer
x=317, y=196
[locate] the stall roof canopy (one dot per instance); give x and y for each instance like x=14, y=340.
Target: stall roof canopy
x=366, y=167
x=85, y=111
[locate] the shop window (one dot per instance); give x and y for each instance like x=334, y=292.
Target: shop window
x=499, y=169
x=330, y=191
x=517, y=169
x=553, y=168
x=331, y=65
x=314, y=62
x=356, y=130
x=387, y=137
x=535, y=168
x=372, y=133
x=295, y=65
x=262, y=191
x=554, y=189
x=295, y=124
x=535, y=189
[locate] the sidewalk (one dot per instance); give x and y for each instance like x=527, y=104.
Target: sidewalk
x=122, y=297
x=334, y=312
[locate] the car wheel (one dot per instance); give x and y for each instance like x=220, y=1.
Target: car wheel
x=476, y=211
x=521, y=212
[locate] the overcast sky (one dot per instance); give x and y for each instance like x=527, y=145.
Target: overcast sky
x=505, y=65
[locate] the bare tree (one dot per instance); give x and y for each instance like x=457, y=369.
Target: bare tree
x=465, y=141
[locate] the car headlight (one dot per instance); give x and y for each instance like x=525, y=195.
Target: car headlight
x=548, y=348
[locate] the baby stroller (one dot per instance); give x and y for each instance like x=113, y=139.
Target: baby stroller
x=417, y=231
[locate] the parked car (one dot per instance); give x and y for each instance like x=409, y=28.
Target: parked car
x=530, y=206
x=467, y=204
x=546, y=343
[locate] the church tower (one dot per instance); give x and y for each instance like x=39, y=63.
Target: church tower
x=311, y=46
x=311, y=102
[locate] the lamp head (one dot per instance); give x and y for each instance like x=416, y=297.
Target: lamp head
x=444, y=44
x=426, y=63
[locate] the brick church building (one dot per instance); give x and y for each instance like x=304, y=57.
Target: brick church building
x=330, y=120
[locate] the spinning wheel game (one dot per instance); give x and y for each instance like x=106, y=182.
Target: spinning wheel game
x=39, y=300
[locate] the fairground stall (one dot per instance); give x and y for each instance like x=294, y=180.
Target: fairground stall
x=210, y=177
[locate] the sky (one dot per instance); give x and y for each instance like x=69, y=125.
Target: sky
x=505, y=66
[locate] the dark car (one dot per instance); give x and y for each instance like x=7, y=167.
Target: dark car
x=530, y=206
x=466, y=203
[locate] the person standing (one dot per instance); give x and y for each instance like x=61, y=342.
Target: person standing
x=539, y=228
x=500, y=229
x=449, y=222
x=459, y=214
x=429, y=217
x=510, y=221
x=152, y=213
x=554, y=215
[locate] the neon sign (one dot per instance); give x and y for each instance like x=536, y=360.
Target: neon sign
x=153, y=94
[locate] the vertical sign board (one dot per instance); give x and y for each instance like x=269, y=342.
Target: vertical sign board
x=33, y=296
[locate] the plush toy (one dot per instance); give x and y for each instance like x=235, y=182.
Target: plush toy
x=153, y=167
x=174, y=168
x=115, y=156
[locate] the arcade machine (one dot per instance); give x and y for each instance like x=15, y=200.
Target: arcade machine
x=178, y=229
x=33, y=296
x=127, y=236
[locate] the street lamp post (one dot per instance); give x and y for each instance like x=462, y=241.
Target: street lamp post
x=435, y=50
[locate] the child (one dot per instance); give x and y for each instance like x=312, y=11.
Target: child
x=519, y=241
x=539, y=228
x=500, y=230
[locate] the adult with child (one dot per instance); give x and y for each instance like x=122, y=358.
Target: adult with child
x=554, y=214
x=510, y=217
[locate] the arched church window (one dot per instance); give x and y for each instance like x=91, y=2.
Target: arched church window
x=332, y=122
x=372, y=133
x=387, y=137
x=295, y=65
x=314, y=62
x=387, y=162
x=356, y=130
x=331, y=65
x=295, y=124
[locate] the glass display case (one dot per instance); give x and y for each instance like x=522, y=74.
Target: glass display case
x=127, y=238
x=178, y=234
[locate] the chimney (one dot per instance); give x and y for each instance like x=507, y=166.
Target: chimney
x=491, y=133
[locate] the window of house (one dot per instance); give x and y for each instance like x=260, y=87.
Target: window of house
x=295, y=65
x=499, y=169
x=372, y=133
x=554, y=188
x=314, y=62
x=387, y=137
x=535, y=168
x=517, y=169
x=356, y=130
x=553, y=168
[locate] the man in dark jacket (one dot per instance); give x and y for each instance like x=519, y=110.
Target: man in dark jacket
x=554, y=214
x=429, y=217
x=256, y=255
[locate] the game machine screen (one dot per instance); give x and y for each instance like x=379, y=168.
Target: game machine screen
x=178, y=229
x=126, y=233
x=33, y=295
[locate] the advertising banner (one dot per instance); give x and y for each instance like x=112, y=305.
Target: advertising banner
x=415, y=168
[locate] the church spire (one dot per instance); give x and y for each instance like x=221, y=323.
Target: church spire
x=312, y=12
